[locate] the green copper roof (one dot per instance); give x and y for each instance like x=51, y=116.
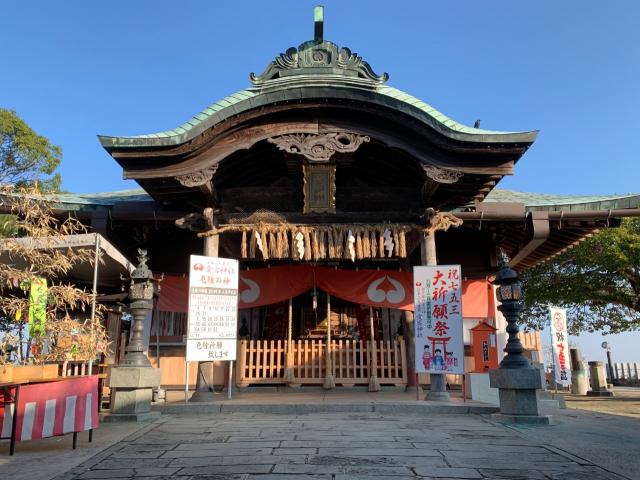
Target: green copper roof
x=532, y=201
x=317, y=69
x=105, y=198
x=543, y=201
x=250, y=98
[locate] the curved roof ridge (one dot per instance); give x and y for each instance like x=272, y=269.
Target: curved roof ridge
x=532, y=199
x=247, y=99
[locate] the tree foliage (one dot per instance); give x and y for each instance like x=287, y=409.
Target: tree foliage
x=26, y=158
x=40, y=252
x=598, y=281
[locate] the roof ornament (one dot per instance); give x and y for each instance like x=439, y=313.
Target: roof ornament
x=319, y=147
x=442, y=175
x=196, y=179
x=318, y=23
x=319, y=57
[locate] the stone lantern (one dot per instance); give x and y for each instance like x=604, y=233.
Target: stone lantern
x=133, y=381
x=517, y=381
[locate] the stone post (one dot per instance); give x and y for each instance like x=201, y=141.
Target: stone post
x=133, y=381
x=598, y=381
x=579, y=380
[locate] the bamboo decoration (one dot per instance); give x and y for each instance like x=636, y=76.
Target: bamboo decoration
x=322, y=235
x=359, y=248
x=374, y=244
x=265, y=246
x=253, y=243
x=273, y=245
x=343, y=241
x=289, y=376
x=329, y=381
x=339, y=241
x=332, y=246
x=307, y=244
x=402, y=244
x=396, y=241
x=374, y=384
x=243, y=245
x=366, y=245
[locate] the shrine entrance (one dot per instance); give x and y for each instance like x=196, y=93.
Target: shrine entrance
x=353, y=343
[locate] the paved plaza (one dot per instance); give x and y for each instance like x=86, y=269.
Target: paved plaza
x=335, y=446
x=393, y=437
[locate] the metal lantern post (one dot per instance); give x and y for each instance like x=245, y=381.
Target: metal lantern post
x=509, y=294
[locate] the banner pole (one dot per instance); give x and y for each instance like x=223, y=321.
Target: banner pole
x=93, y=301
x=230, y=377
x=186, y=381
x=553, y=355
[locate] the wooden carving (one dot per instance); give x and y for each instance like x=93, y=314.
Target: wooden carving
x=319, y=147
x=321, y=58
x=442, y=175
x=319, y=188
x=198, y=178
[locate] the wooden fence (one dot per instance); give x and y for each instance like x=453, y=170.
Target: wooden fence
x=264, y=361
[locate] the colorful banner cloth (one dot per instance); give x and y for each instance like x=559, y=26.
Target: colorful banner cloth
x=560, y=345
x=53, y=408
x=438, y=319
x=38, y=307
x=377, y=288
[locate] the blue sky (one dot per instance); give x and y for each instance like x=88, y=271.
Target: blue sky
x=570, y=69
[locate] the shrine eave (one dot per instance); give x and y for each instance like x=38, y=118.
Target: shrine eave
x=254, y=98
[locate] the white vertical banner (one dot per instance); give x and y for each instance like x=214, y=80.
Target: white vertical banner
x=213, y=309
x=437, y=296
x=560, y=345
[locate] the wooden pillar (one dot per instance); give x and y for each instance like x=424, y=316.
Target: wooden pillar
x=438, y=389
x=374, y=384
x=289, y=376
x=205, y=378
x=329, y=381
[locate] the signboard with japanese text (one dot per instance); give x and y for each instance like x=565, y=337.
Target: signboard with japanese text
x=560, y=345
x=438, y=319
x=213, y=309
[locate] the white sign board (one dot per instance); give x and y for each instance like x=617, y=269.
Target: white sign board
x=560, y=345
x=213, y=309
x=437, y=296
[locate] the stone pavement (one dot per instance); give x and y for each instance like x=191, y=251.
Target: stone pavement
x=400, y=445
x=44, y=459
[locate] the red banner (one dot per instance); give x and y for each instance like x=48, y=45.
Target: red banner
x=264, y=286
x=53, y=408
x=378, y=288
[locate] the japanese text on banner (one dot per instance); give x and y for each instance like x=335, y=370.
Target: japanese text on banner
x=438, y=319
x=213, y=309
x=560, y=345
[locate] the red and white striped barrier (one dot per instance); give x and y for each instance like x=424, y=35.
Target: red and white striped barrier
x=53, y=408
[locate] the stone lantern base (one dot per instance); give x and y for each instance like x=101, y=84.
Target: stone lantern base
x=518, y=391
x=131, y=392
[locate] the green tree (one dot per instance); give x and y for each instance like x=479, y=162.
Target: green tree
x=598, y=281
x=26, y=158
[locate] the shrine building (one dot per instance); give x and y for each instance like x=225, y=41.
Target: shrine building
x=328, y=185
